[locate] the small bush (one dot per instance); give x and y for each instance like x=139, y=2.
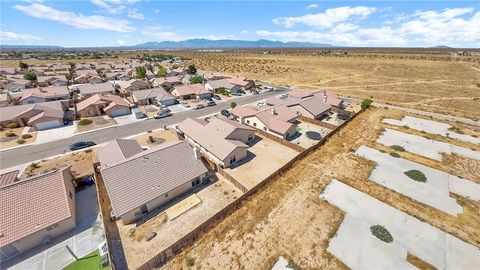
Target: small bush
x=416, y=175
x=398, y=148
x=26, y=136
x=89, y=150
x=233, y=104
x=366, y=104
x=12, y=125
x=394, y=154
x=10, y=134
x=21, y=141
x=190, y=261
x=381, y=233
x=85, y=122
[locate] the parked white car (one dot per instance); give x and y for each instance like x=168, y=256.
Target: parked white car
x=261, y=104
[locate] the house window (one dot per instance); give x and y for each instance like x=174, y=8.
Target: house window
x=233, y=159
x=70, y=194
x=254, y=124
x=248, y=121
x=195, y=182
x=250, y=138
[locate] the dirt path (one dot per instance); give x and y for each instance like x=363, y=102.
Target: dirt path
x=389, y=84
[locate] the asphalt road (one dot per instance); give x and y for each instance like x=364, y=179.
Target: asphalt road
x=21, y=155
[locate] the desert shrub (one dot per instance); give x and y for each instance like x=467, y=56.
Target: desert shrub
x=85, y=122
x=131, y=232
x=394, y=154
x=26, y=136
x=292, y=265
x=196, y=79
x=233, y=104
x=222, y=91
x=381, y=233
x=456, y=130
x=10, y=134
x=397, y=147
x=21, y=141
x=12, y=125
x=190, y=261
x=151, y=139
x=88, y=150
x=416, y=175
x=366, y=104
x=30, y=75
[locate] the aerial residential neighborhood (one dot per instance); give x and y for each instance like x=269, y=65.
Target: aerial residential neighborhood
x=263, y=135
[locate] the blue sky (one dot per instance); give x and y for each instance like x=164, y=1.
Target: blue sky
x=344, y=23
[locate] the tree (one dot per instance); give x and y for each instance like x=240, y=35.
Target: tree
x=161, y=72
x=149, y=67
x=196, y=79
x=23, y=65
x=42, y=84
x=366, y=104
x=192, y=69
x=233, y=104
x=140, y=72
x=30, y=75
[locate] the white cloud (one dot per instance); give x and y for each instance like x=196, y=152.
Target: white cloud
x=312, y=6
x=328, y=18
x=159, y=33
x=76, y=19
x=135, y=14
x=244, y=32
x=120, y=42
x=156, y=11
x=11, y=37
x=110, y=6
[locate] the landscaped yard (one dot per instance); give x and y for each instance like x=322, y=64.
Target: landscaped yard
x=158, y=136
x=97, y=122
x=11, y=137
x=89, y=262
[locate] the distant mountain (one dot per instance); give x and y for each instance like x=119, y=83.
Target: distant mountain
x=30, y=47
x=442, y=47
x=226, y=43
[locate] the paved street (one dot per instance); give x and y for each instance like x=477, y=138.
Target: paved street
x=16, y=156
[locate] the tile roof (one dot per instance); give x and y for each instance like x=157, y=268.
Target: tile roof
x=158, y=93
x=51, y=78
x=191, y=89
x=96, y=88
x=117, y=150
x=150, y=174
x=301, y=93
x=8, y=178
x=315, y=105
x=102, y=99
x=45, y=92
x=243, y=111
x=53, y=108
x=242, y=81
x=329, y=97
x=273, y=122
x=171, y=79
x=220, y=83
x=33, y=204
x=213, y=136
x=126, y=84
x=86, y=72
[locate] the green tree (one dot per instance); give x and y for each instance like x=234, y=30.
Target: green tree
x=161, y=72
x=41, y=84
x=233, y=104
x=366, y=104
x=191, y=69
x=23, y=65
x=30, y=75
x=196, y=79
x=140, y=72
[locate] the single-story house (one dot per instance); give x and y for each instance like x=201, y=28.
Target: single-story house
x=222, y=141
x=8, y=71
x=168, y=83
x=149, y=75
x=132, y=85
x=222, y=83
x=243, y=82
x=87, y=90
x=302, y=94
x=212, y=76
x=90, y=72
x=36, y=210
x=176, y=72
x=88, y=78
x=330, y=98
x=138, y=181
x=56, y=80
x=57, y=67
x=98, y=104
x=8, y=177
x=191, y=91
x=312, y=107
x=40, y=116
x=44, y=94
x=118, y=76
x=277, y=120
x=5, y=99
x=15, y=83
x=121, y=66
x=153, y=96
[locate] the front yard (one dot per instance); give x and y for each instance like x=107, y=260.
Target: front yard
x=90, y=262
x=158, y=137
x=11, y=137
x=96, y=122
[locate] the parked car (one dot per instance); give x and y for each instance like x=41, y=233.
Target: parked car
x=283, y=96
x=184, y=104
x=226, y=113
x=210, y=103
x=261, y=103
x=199, y=106
x=81, y=145
x=163, y=114
x=217, y=97
x=270, y=89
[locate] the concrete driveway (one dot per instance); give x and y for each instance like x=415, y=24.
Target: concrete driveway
x=178, y=108
x=126, y=119
x=85, y=238
x=55, y=133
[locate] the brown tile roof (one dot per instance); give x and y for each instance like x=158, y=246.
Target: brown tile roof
x=102, y=99
x=8, y=178
x=289, y=101
x=150, y=174
x=51, y=78
x=53, y=108
x=220, y=83
x=213, y=136
x=126, y=84
x=191, y=89
x=171, y=79
x=45, y=92
x=158, y=93
x=33, y=204
x=86, y=72
x=117, y=151
x=96, y=88
x=243, y=111
x=301, y=93
x=315, y=105
x=329, y=97
x=242, y=81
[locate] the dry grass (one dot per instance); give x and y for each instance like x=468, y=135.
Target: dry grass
x=12, y=141
x=289, y=219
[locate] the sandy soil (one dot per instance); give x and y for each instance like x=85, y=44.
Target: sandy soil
x=12, y=141
x=160, y=136
x=98, y=122
x=288, y=219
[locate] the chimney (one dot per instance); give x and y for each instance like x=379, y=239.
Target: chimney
x=273, y=111
x=324, y=96
x=240, y=119
x=196, y=152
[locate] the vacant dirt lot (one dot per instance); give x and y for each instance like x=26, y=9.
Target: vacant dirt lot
x=289, y=219
x=264, y=158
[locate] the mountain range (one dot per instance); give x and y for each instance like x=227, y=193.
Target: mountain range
x=190, y=44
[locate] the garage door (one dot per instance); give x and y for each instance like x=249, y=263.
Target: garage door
x=118, y=112
x=168, y=102
x=48, y=125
